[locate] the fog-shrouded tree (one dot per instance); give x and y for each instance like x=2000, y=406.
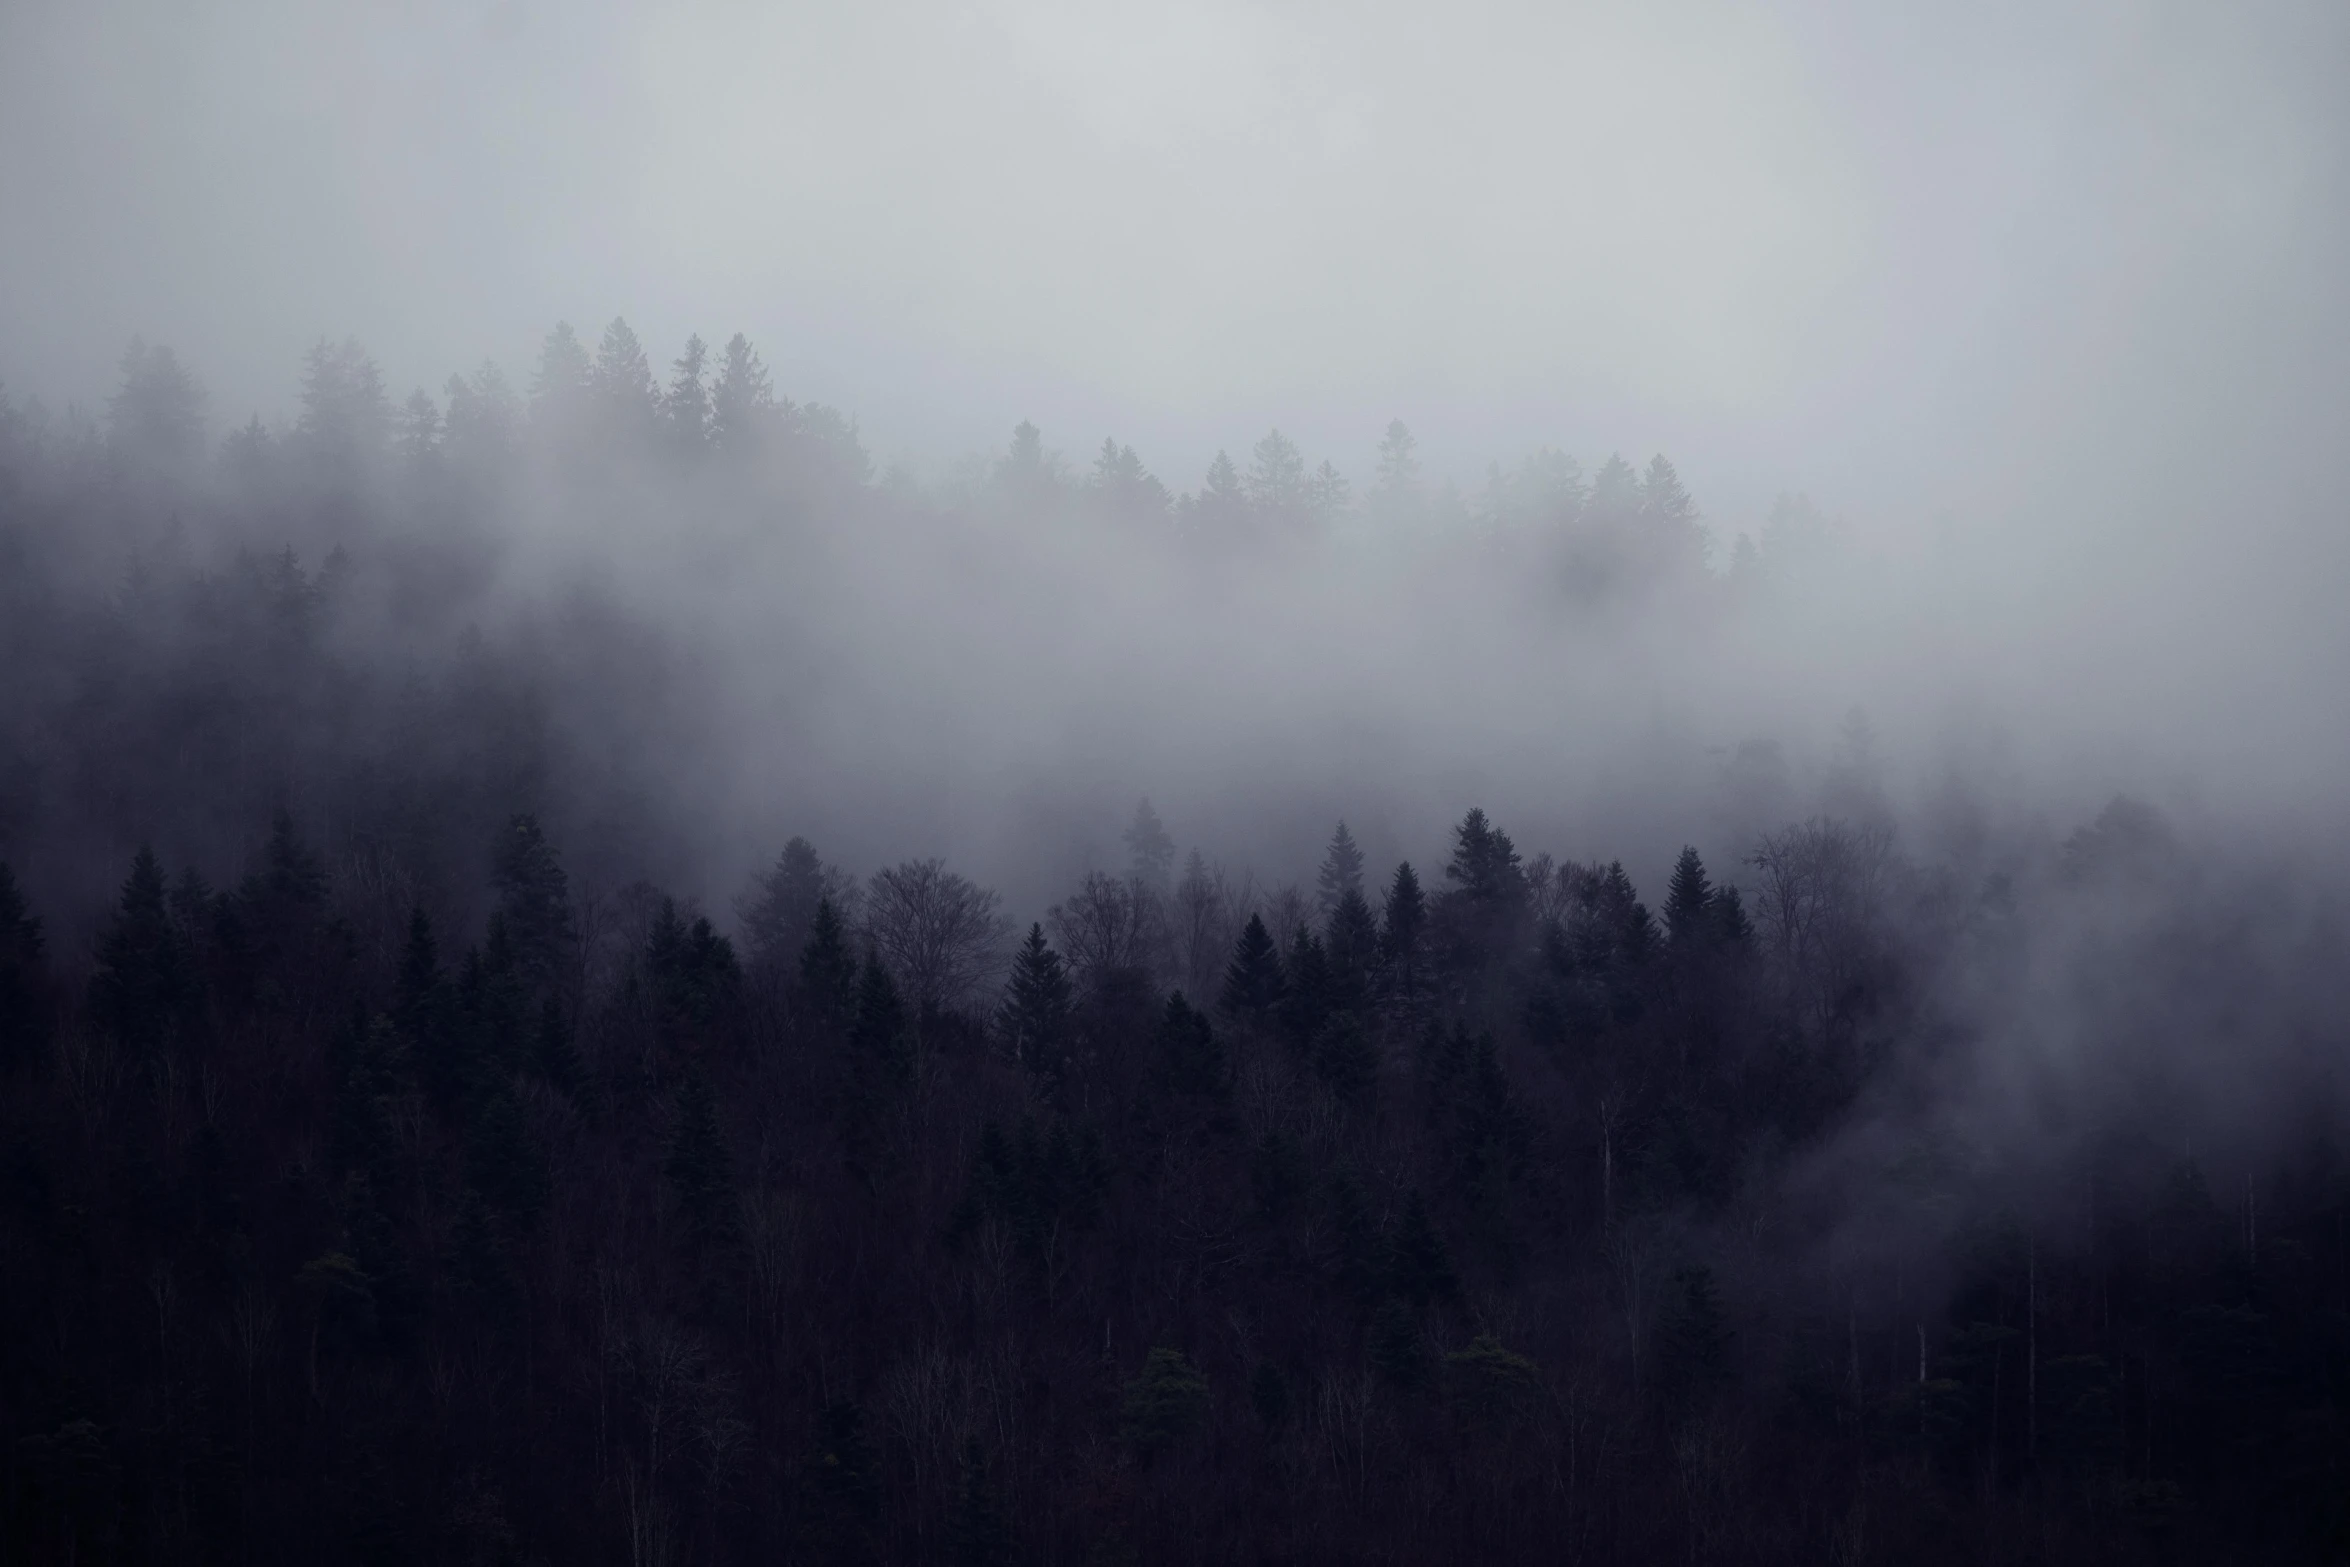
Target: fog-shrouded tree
x=1109, y=927
x=1152, y=851
x=155, y=417
x=1395, y=490
x=563, y=384
x=685, y=405
x=744, y=412
x=1033, y=1021
x=628, y=404
x=1221, y=504
x=1278, y=486
x=1341, y=872
x=939, y=933
x=1122, y=485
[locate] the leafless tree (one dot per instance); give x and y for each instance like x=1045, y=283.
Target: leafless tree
x=940, y=934
x=1201, y=919
x=1110, y=924
x=1823, y=887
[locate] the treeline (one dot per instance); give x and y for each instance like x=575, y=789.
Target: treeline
x=587, y=415
x=1407, y=1220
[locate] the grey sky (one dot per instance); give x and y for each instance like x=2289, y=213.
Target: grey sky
x=1911, y=258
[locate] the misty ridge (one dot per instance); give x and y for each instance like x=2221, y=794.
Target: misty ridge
x=582, y=977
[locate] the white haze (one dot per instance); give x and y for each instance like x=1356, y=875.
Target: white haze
x=2045, y=303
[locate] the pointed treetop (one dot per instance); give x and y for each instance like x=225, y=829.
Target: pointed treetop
x=1342, y=870
x=1154, y=852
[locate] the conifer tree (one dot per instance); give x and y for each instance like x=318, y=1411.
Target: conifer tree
x=1307, y=1004
x=1341, y=873
x=1419, y=1269
x=1152, y=849
x=1689, y=904
x=877, y=1040
x=628, y=402
x=534, y=903
x=1399, y=936
x=145, y=983
x=1351, y=940
x=828, y=970
x=1254, y=984
x=560, y=390
x=742, y=403
x=685, y=406
x=1033, y=1021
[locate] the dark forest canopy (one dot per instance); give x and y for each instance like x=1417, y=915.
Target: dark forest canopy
x=401, y=1161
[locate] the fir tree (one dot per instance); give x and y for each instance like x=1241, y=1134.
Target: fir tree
x=1405, y=917
x=1254, y=984
x=828, y=970
x=1341, y=873
x=145, y=983
x=1689, y=904
x=1152, y=849
x=1307, y=1005
x=534, y=903
x=1351, y=940
x=685, y=406
x=1033, y=1021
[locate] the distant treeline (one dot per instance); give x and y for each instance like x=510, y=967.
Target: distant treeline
x=395, y=1167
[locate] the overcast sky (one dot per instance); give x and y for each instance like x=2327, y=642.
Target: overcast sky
x=1914, y=259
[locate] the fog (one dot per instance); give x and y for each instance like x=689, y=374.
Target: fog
x=1952, y=550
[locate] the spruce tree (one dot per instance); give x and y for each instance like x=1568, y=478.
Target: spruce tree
x=828, y=970
x=534, y=903
x=145, y=983
x=1033, y=1022
x=1351, y=941
x=1689, y=917
x=1254, y=984
x=1341, y=873
x=1307, y=1006
x=1399, y=935
x=1152, y=849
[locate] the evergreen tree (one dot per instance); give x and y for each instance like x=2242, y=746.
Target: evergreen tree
x=534, y=903
x=742, y=404
x=1277, y=487
x=628, y=402
x=828, y=970
x=685, y=406
x=1153, y=851
x=1689, y=904
x=145, y=984
x=1033, y=1021
x=1485, y=862
x=877, y=1040
x=1399, y=935
x=1730, y=919
x=1307, y=1005
x=1254, y=984
x=420, y=430
x=560, y=390
x=416, y=991
x=1341, y=873
x=1351, y=939
x=1221, y=504
x=155, y=418
x=1164, y=1404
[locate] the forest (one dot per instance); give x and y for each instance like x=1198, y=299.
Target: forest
x=428, y=1135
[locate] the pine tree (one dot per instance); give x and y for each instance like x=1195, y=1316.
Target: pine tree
x=1254, y=984
x=1351, y=939
x=1153, y=851
x=559, y=391
x=1399, y=935
x=1689, y=911
x=416, y=991
x=828, y=970
x=1484, y=862
x=685, y=406
x=742, y=404
x=628, y=403
x=145, y=983
x=534, y=903
x=1307, y=1006
x=1341, y=873
x=1730, y=918
x=1033, y=1021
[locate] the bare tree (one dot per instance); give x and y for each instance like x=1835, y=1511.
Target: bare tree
x=1823, y=888
x=941, y=934
x=1110, y=924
